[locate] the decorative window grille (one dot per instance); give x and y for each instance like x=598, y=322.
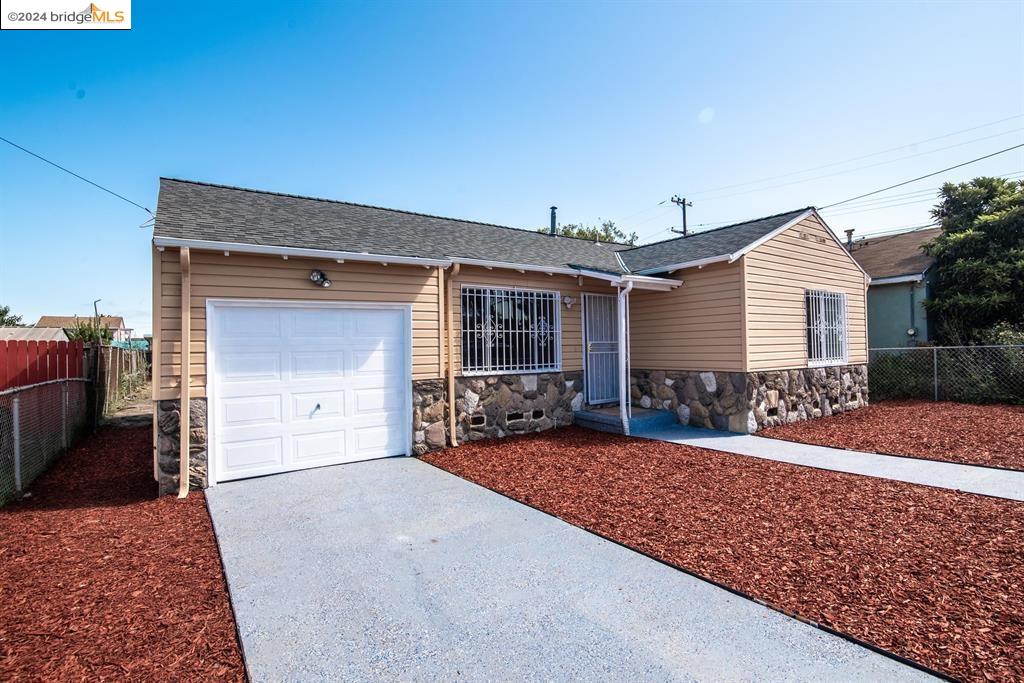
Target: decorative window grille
x=510, y=330
x=826, y=328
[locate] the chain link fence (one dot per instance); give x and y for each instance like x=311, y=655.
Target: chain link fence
x=37, y=424
x=966, y=374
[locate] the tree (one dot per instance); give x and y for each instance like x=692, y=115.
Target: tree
x=979, y=259
x=86, y=330
x=8, y=319
x=606, y=232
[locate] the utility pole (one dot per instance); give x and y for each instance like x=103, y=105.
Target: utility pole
x=681, y=203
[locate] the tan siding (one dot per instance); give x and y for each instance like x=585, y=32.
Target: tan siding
x=246, y=276
x=695, y=327
x=777, y=274
x=565, y=285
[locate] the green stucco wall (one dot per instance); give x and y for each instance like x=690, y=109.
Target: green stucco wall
x=889, y=314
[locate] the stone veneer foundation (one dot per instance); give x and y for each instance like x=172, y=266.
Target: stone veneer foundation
x=748, y=401
x=168, y=422
x=499, y=405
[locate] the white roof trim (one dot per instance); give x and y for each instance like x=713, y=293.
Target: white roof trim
x=483, y=263
x=243, y=248
x=896, y=279
x=687, y=264
x=777, y=231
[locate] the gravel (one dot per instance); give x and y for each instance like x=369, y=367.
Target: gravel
x=929, y=574
x=990, y=435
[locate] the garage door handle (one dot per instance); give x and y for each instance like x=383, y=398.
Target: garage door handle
x=314, y=410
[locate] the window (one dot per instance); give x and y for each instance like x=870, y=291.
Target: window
x=510, y=330
x=826, y=328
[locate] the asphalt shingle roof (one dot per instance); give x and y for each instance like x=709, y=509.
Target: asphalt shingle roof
x=895, y=255
x=191, y=210
x=707, y=244
x=202, y=211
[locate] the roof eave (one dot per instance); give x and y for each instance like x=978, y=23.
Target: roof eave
x=271, y=250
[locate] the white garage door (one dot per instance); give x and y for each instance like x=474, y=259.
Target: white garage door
x=298, y=387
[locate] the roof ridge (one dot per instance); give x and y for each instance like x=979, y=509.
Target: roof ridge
x=723, y=227
x=383, y=208
x=889, y=235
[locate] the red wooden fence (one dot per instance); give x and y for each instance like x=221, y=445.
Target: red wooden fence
x=31, y=362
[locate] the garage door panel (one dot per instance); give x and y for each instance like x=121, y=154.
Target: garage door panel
x=318, y=364
x=371, y=324
x=248, y=324
x=250, y=410
x=248, y=366
x=313, y=323
x=253, y=455
x=375, y=361
x=332, y=405
x=318, y=447
x=378, y=441
x=278, y=364
x=376, y=401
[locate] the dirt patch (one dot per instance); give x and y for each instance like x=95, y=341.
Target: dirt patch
x=953, y=432
x=99, y=579
x=930, y=574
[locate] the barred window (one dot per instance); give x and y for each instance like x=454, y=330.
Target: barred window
x=826, y=328
x=510, y=330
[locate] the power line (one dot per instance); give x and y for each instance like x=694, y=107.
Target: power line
x=927, y=175
x=860, y=158
x=82, y=178
x=860, y=168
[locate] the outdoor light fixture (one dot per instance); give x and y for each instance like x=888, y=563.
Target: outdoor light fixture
x=568, y=301
x=320, y=278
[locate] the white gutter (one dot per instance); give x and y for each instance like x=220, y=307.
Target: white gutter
x=242, y=248
x=623, y=300
x=699, y=263
x=898, y=279
x=525, y=267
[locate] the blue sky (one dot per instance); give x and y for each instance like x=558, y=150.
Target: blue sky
x=491, y=112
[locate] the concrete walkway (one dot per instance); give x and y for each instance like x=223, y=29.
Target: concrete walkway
x=395, y=570
x=984, y=480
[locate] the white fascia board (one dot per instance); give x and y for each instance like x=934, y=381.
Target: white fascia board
x=657, y=283
x=687, y=264
x=898, y=279
x=242, y=248
x=482, y=263
x=777, y=231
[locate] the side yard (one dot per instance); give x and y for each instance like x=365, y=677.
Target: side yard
x=929, y=574
x=990, y=435
x=99, y=579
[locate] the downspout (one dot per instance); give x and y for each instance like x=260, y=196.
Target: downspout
x=623, y=363
x=452, y=417
x=184, y=408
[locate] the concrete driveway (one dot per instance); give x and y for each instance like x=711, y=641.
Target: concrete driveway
x=393, y=569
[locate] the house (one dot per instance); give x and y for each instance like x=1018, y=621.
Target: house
x=114, y=323
x=900, y=284
x=304, y=332
x=46, y=334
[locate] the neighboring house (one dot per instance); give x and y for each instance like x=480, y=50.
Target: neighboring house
x=114, y=323
x=33, y=334
x=319, y=332
x=900, y=284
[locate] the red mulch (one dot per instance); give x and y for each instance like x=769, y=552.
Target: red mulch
x=99, y=579
x=933, y=575
x=990, y=435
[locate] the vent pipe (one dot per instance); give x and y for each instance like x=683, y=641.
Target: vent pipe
x=849, y=240
x=553, y=230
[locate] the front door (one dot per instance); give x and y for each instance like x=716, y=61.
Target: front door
x=601, y=339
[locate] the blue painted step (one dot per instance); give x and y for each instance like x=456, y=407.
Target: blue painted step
x=607, y=420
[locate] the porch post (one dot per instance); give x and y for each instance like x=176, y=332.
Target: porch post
x=623, y=301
